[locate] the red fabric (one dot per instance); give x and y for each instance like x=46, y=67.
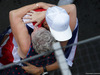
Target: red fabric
x=7, y=51
x=39, y=10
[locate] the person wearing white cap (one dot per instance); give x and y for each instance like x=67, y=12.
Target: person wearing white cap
x=61, y=21
x=58, y=22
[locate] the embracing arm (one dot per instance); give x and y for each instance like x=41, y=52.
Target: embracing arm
x=44, y=5
x=71, y=10
x=38, y=16
x=19, y=29
x=51, y=67
x=39, y=70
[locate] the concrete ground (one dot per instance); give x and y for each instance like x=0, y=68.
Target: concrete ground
x=88, y=12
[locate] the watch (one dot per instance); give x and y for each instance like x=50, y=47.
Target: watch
x=45, y=71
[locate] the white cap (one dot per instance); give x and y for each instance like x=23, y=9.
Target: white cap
x=58, y=22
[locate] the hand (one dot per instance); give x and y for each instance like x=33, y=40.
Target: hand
x=31, y=69
x=45, y=5
x=35, y=17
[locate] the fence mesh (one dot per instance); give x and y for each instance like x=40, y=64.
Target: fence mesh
x=86, y=60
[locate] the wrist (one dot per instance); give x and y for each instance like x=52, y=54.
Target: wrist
x=44, y=12
x=37, y=5
x=41, y=70
x=44, y=69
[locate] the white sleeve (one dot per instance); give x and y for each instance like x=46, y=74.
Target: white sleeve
x=29, y=24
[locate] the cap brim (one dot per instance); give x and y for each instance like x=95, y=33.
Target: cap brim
x=62, y=35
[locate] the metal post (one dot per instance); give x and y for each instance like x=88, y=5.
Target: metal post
x=61, y=59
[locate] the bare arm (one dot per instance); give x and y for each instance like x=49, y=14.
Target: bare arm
x=71, y=10
x=52, y=67
x=45, y=5
x=39, y=70
x=19, y=29
x=38, y=16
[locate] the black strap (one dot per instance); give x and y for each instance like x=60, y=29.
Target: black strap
x=45, y=71
x=44, y=68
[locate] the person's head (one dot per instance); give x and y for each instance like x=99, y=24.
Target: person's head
x=42, y=40
x=58, y=22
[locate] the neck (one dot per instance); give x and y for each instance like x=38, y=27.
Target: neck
x=63, y=44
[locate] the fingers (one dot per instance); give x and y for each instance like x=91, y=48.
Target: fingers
x=30, y=21
x=33, y=16
x=27, y=17
x=51, y=5
x=29, y=66
x=37, y=24
x=35, y=28
x=32, y=11
x=29, y=14
x=27, y=63
x=25, y=67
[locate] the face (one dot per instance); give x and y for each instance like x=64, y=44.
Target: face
x=45, y=25
x=35, y=30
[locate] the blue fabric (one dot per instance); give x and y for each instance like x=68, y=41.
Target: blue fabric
x=30, y=30
x=3, y=34
x=71, y=41
x=43, y=60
